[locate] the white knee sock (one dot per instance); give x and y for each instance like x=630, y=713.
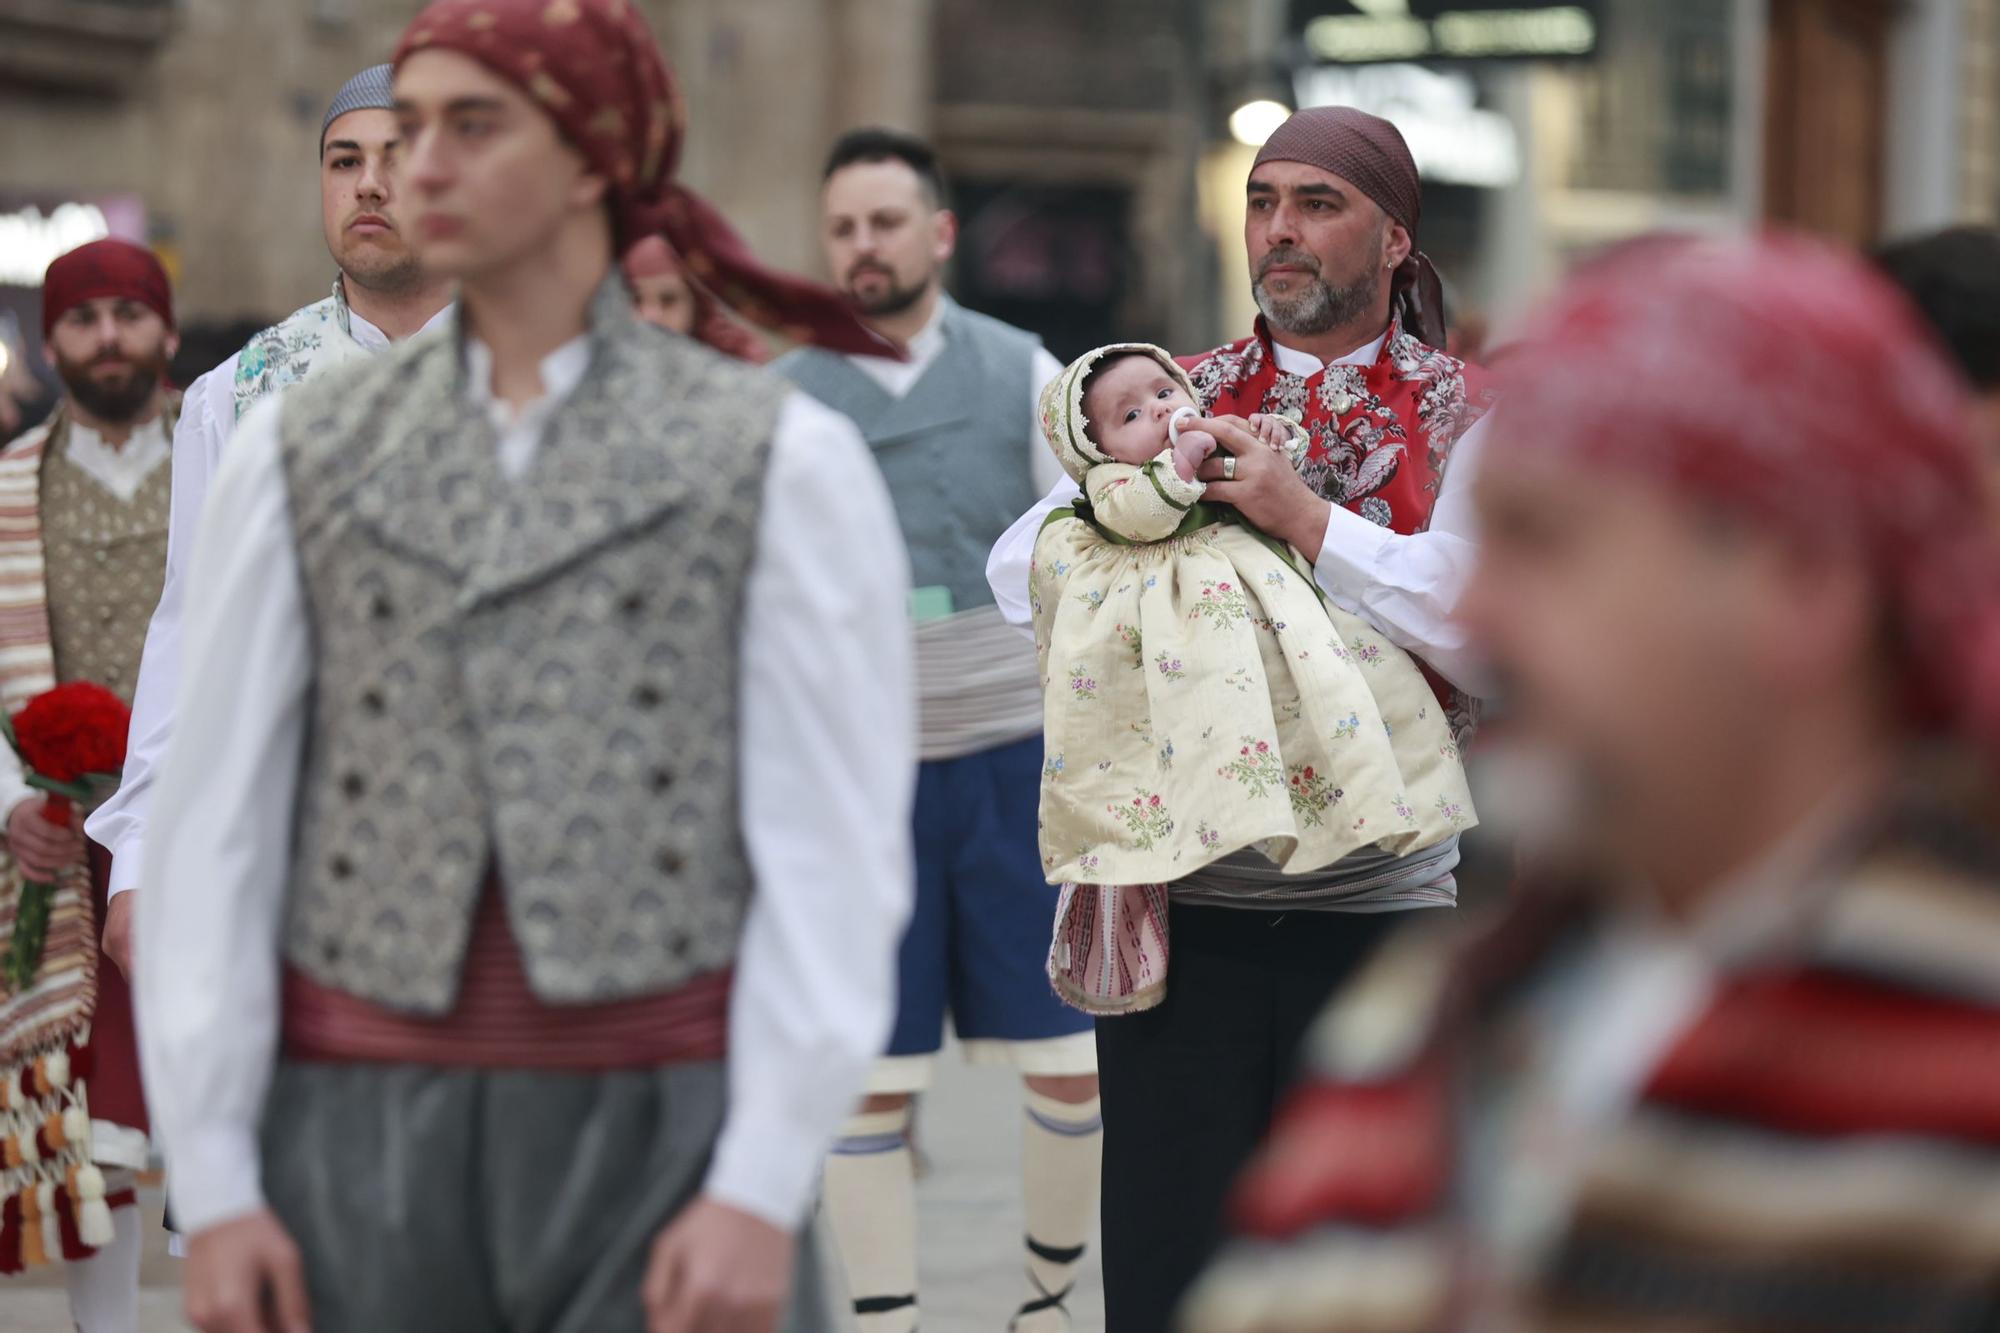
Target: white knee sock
x=1061, y=1152
x=104, y=1289
x=871, y=1198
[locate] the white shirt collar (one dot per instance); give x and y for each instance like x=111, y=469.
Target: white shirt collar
x=373, y=339
x=561, y=370
x=518, y=434
x=122, y=470
x=929, y=340
x=920, y=351
x=1294, y=362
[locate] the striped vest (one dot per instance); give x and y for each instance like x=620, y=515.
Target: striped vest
x=1814, y=1144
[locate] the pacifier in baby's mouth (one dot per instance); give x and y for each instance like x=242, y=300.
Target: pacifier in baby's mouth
x=1181, y=417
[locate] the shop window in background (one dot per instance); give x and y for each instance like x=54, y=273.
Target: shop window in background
x=1655, y=106
x=1051, y=258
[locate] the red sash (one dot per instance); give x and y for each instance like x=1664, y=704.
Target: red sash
x=499, y=1023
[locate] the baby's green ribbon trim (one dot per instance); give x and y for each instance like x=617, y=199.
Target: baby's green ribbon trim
x=1201, y=515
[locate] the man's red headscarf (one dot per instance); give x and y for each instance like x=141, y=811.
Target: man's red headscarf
x=651, y=257
x=109, y=267
x=1785, y=381
x=594, y=68
x=1369, y=153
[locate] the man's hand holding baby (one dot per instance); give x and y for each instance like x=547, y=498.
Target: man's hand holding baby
x=1263, y=484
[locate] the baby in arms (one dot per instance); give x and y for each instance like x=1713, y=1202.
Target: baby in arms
x=1200, y=696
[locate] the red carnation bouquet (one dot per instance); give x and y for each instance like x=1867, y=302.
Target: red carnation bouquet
x=71, y=740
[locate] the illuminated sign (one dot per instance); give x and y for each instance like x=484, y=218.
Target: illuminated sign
x=1360, y=32
x=30, y=238
x=1454, y=141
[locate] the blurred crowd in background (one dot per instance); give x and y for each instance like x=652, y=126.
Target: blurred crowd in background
x=1096, y=149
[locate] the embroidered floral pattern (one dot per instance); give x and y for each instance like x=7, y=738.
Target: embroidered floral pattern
x=1146, y=820
x=1082, y=684
x=1226, y=367
x=309, y=341
x=1453, y=813
x=1221, y=604
x=1348, y=730
x=1092, y=599
x=1052, y=767
x=1287, y=397
x=1130, y=634
x=1366, y=653
x=1207, y=836
x=1256, y=767
x=1365, y=422
x=1170, y=667
x=1312, y=795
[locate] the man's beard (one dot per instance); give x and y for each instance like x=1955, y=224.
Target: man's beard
x=386, y=274
x=118, y=401
x=893, y=301
x=1320, y=307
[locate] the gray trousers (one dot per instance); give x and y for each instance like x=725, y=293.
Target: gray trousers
x=462, y=1200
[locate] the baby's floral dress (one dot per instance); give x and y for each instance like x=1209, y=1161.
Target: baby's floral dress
x=1202, y=697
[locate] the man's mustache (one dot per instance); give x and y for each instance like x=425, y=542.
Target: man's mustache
x=869, y=267
x=1289, y=259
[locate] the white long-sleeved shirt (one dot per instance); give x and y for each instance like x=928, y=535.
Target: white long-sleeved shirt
x=208, y=418
x=1405, y=586
x=827, y=773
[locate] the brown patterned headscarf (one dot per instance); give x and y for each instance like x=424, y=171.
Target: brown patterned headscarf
x=1369, y=153
x=594, y=68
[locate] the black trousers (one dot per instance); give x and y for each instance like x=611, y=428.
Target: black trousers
x=1189, y=1087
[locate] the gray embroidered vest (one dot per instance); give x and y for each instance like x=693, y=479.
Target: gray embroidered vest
x=954, y=450
x=533, y=677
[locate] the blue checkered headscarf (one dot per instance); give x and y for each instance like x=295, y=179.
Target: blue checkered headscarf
x=370, y=89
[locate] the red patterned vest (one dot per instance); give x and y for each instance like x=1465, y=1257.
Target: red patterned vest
x=1382, y=434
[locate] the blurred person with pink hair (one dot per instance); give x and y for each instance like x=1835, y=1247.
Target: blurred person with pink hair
x=1739, y=576
x=666, y=294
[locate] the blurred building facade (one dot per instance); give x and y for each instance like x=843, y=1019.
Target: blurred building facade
x=1090, y=146
x=1858, y=119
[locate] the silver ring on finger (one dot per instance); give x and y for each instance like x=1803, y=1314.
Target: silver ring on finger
x=1229, y=468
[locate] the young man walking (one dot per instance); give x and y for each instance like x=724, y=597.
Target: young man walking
x=955, y=428
x=537, y=806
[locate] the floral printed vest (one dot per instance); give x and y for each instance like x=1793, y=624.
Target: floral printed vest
x=307, y=343
x=1381, y=434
